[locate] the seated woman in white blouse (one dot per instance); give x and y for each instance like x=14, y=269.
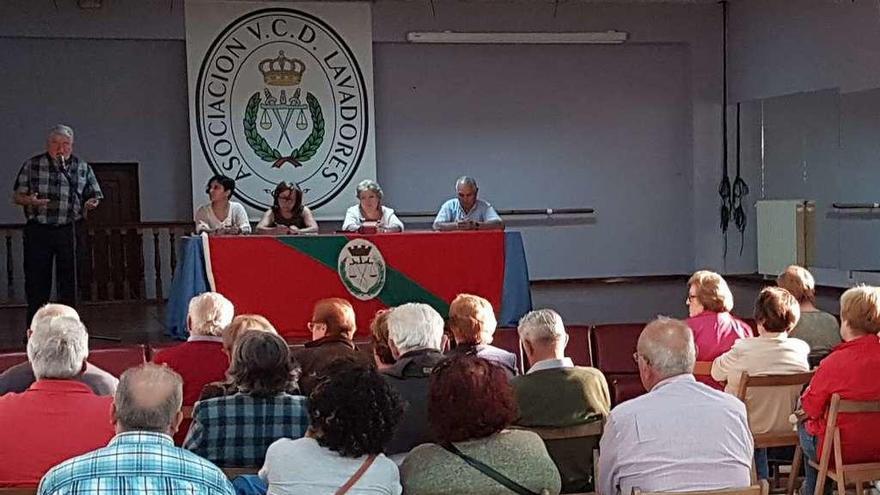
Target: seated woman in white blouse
x=369, y=212
x=221, y=216
x=773, y=352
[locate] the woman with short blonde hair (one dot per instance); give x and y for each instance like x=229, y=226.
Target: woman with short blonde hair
x=850, y=371
x=815, y=327
x=709, y=302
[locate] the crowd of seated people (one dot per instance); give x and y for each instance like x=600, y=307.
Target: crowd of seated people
x=423, y=414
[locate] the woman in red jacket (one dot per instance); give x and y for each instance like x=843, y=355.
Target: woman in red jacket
x=851, y=371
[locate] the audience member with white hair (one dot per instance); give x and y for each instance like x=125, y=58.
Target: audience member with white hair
x=682, y=435
x=472, y=321
x=58, y=416
x=141, y=458
x=200, y=360
x=415, y=335
x=21, y=376
x=556, y=393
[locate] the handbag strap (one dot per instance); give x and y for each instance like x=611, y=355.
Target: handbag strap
x=356, y=476
x=489, y=471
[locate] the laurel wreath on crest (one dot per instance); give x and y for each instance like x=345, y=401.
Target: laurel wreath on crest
x=354, y=289
x=269, y=154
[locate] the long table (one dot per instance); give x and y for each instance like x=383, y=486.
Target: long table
x=282, y=277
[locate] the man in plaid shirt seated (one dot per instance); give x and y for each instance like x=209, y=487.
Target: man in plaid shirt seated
x=142, y=457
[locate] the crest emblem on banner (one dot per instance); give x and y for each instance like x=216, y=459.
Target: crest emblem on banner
x=362, y=269
x=281, y=97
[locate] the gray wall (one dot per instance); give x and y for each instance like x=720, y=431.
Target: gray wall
x=807, y=72
x=631, y=130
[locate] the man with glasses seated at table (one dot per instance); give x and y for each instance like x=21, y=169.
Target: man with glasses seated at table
x=466, y=212
x=682, y=435
x=333, y=327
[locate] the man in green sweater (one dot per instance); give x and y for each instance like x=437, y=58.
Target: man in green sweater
x=556, y=393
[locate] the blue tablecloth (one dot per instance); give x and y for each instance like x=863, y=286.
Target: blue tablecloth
x=190, y=280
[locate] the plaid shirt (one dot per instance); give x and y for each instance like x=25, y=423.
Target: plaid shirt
x=236, y=430
x=136, y=463
x=43, y=176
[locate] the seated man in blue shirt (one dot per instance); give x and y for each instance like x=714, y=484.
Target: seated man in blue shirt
x=467, y=212
x=141, y=458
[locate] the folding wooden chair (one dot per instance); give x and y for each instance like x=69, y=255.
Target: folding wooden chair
x=761, y=488
x=843, y=473
x=784, y=439
x=591, y=429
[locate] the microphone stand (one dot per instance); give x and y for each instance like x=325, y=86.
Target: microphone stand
x=82, y=208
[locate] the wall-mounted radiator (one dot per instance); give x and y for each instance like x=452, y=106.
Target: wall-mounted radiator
x=785, y=234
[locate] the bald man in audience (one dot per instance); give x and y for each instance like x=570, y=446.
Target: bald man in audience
x=333, y=327
x=556, y=393
x=21, y=376
x=682, y=435
x=58, y=416
x=472, y=321
x=141, y=458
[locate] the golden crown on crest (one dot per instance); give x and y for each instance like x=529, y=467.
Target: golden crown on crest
x=282, y=71
x=360, y=251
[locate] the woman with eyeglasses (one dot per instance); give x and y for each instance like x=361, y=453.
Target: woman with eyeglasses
x=288, y=215
x=709, y=303
x=370, y=215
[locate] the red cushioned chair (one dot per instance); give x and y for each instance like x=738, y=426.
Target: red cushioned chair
x=507, y=338
x=115, y=360
x=613, y=347
x=578, y=348
x=10, y=359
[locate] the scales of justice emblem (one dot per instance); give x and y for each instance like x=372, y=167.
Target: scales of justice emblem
x=283, y=74
x=362, y=269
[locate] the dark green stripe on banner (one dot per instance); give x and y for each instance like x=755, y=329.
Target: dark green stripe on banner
x=399, y=288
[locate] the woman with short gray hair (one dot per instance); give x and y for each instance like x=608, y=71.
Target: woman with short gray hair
x=370, y=213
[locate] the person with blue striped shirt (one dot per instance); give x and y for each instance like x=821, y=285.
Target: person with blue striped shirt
x=142, y=457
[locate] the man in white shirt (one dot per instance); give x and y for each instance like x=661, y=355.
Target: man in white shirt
x=680, y=436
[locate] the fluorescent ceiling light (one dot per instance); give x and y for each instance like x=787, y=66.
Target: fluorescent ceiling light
x=599, y=38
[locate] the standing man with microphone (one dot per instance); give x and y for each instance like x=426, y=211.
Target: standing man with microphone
x=54, y=188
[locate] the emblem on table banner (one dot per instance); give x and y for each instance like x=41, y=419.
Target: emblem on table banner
x=362, y=268
x=281, y=97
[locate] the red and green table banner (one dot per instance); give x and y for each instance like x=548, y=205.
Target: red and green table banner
x=283, y=277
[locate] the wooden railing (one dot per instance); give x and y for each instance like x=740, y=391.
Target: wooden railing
x=127, y=262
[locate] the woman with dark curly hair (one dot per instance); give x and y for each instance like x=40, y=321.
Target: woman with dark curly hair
x=235, y=430
x=470, y=405
x=353, y=414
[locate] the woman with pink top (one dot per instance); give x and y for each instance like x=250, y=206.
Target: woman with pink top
x=715, y=330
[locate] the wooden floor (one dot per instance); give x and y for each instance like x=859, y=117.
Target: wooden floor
x=128, y=322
